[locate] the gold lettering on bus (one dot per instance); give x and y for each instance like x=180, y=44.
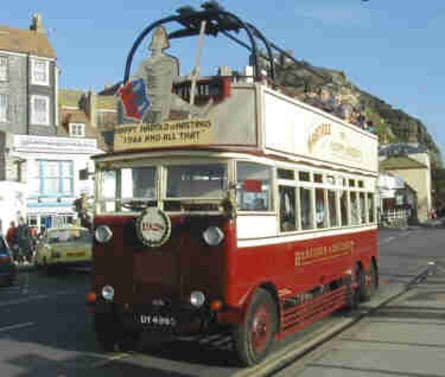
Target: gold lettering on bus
x=320, y=132
x=316, y=254
x=167, y=134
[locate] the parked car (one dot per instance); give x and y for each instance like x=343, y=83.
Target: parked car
x=64, y=247
x=8, y=269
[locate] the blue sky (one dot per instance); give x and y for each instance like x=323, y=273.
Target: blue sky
x=393, y=49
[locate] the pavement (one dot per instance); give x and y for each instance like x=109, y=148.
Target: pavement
x=405, y=338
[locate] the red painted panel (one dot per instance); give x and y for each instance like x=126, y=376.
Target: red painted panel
x=296, y=267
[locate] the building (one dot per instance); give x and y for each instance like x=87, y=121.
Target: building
x=396, y=200
x=87, y=114
x=40, y=161
x=412, y=163
x=28, y=81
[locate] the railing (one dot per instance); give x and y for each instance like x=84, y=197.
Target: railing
x=397, y=218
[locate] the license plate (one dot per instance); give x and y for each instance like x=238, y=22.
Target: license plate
x=157, y=320
x=76, y=254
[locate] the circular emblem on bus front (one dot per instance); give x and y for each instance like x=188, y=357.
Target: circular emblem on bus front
x=153, y=227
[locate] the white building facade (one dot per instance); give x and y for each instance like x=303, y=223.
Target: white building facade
x=50, y=178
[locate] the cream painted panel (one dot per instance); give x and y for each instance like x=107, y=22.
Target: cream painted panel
x=234, y=118
x=254, y=226
x=293, y=127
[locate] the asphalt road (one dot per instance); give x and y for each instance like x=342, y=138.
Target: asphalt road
x=45, y=330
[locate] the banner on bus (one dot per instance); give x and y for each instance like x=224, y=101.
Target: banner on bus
x=167, y=134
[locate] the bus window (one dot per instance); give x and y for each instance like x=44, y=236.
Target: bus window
x=285, y=174
x=354, y=208
x=304, y=176
x=320, y=208
x=371, y=208
x=344, y=208
x=318, y=178
x=332, y=202
x=139, y=183
x=108, y=194
x=306, y=212
x=287, y=208
x=361, y=197
x=196, y=181
x=253, y=188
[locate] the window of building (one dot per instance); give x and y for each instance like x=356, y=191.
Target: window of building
x=40, y=72
x=253, y=188
x=332, y=203
x=3, y=107
x=40, y=110
x=351, y=183
x=77, y=129
x=306, y=211
x=287, y=208
x=56, y=177
x=3, y=68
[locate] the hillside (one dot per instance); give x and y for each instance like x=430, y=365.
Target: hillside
x=335, y=90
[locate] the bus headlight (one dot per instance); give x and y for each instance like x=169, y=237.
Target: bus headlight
x=103, y=233
x=108, y=293
x=213, y=235
x=197, y=299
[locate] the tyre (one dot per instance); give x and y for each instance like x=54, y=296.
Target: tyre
x=106, y=331
x=352, y=296
x=254, y=337
x=369, y=283
x=51, y=270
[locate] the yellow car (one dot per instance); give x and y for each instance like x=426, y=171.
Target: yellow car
x=64, y=247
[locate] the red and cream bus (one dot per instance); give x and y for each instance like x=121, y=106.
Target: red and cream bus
x=258, y=217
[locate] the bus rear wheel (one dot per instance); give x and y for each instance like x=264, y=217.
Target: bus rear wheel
x=254, y=337
x=369, y=283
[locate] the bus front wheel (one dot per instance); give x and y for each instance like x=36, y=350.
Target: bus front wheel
x=254, y=337
x=106, y=334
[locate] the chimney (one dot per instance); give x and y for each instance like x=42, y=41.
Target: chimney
x=92, y=108
x=224, y=71
x=37, y=24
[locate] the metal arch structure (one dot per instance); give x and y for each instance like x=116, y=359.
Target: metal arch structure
x=191, y=21
x=218, y=21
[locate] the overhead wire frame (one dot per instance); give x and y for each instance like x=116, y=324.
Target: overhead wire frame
x=218, y=21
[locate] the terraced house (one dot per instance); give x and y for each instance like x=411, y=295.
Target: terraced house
x=39, y=162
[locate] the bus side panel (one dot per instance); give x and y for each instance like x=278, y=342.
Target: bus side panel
x=296, y=267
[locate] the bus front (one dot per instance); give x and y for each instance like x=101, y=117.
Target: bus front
x=162, y=230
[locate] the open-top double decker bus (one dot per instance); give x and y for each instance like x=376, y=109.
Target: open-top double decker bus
x=256, y=213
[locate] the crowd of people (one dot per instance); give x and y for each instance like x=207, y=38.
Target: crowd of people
x=22, y=240
x=342, y=105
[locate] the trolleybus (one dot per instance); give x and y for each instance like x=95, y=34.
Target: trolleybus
x=257, y=215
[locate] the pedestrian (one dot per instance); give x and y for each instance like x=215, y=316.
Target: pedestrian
x=11, y=239
x=24, y=241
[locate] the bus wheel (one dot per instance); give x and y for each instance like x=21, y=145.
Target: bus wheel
x=351, y=295
x=106, y=334
x=129, y=341
x=369, y=283
x=254, y=337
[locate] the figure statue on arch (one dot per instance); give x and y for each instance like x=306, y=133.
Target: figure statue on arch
x=159, y=72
